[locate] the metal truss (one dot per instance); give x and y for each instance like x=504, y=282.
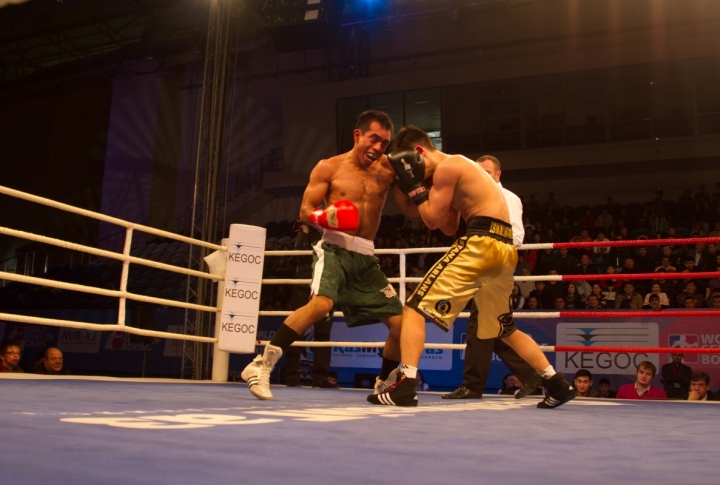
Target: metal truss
x=195, y=356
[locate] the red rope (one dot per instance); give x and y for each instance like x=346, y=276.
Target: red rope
x=638, y=350
x=647, y=313
x=638, y=242
x=641, y=276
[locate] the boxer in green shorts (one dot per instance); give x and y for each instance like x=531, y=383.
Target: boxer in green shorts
x=353, y=187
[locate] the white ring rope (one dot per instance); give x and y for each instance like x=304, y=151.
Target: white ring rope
x=102, y=291
x=102, y=327
x=126, y=259
x=104, y=218
x=122, y=294
x=107, y=254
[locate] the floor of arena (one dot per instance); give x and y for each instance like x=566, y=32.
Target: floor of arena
x=84, y=430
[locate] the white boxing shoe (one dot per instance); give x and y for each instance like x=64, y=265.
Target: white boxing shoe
x=257, y=372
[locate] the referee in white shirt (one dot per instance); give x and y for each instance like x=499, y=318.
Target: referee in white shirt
x=478, y=354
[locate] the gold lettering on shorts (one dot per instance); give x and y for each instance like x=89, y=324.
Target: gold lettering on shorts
x=501, y=230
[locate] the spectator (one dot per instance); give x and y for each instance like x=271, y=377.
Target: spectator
x=543, y=296
x=593, y=302
x=716, y=301
x=332, y=380
x=413, y=273
x=521, y=264
x=610, y=286
x=600, y=253
x=531, y=303
x=421, y=384
x=676, y=378
x=667, y=286
x=696, y=253
x=686, y=204
x=587, y=220
x=532, y=208
x=52, y=363
x=598, y=292
x=585, y=267
x=656, y=290
x=708, y=261
x=629, y=269
x=641, y=388
x=526, y=287
x=545, y=261
x=689, y=302
x=10, y=354
x=658, y=222
x=629, y=295
x=560, y=303
x=583, y=289
x=583, y=384
x=573, y=301
x=555, y=287
x=508, y=386
x=702, y=201
x=690, y=291
x=653, y=303
x=565, y=263
x=716, y=229
x=604, y=220
x=550, y=202
x=605, y=390
x=516, y=297
x=700, y=388
x=665, y=265
x=643, y=262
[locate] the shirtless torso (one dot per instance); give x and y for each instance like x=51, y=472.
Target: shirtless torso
x=341, y=177
x=363, y=176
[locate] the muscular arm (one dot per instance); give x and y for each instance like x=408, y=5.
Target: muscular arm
x=434, y=212
x=316, y=190
x=451, y=222
x=408, y=208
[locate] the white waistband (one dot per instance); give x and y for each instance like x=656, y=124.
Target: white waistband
x=351, y=243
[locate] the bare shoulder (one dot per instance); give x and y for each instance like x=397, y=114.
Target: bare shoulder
x=455, y=165
x=326, y=167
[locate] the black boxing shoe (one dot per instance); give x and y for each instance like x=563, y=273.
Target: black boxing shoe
x=559, y=391
x=529, y=386
x=402, y=393
x=462, y=392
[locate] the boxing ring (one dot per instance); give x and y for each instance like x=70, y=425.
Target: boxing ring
x=71, y=430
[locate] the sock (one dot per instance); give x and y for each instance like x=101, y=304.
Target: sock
x=548, y=372
x=284, y=337
x=409, y=371
x=387, y=367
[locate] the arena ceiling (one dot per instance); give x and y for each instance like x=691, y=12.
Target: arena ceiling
x=43, y=40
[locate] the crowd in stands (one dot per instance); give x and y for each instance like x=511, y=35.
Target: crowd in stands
x=548, y=221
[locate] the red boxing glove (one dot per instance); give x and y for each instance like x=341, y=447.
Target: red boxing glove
x=339, y=216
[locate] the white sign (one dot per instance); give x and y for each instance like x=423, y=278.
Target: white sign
x=72, y=340
x=371, y=357
x=238, y=319
x=616, y=334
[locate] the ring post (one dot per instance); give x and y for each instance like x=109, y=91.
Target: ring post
x=221, y=358
x=241, y=294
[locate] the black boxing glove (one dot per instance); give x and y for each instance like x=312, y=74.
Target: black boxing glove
x=409, y=167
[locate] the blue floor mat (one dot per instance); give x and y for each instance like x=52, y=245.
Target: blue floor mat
x=63, y=431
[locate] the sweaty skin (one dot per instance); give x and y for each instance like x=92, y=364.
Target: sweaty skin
x=362, y=176
x=460, y=183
